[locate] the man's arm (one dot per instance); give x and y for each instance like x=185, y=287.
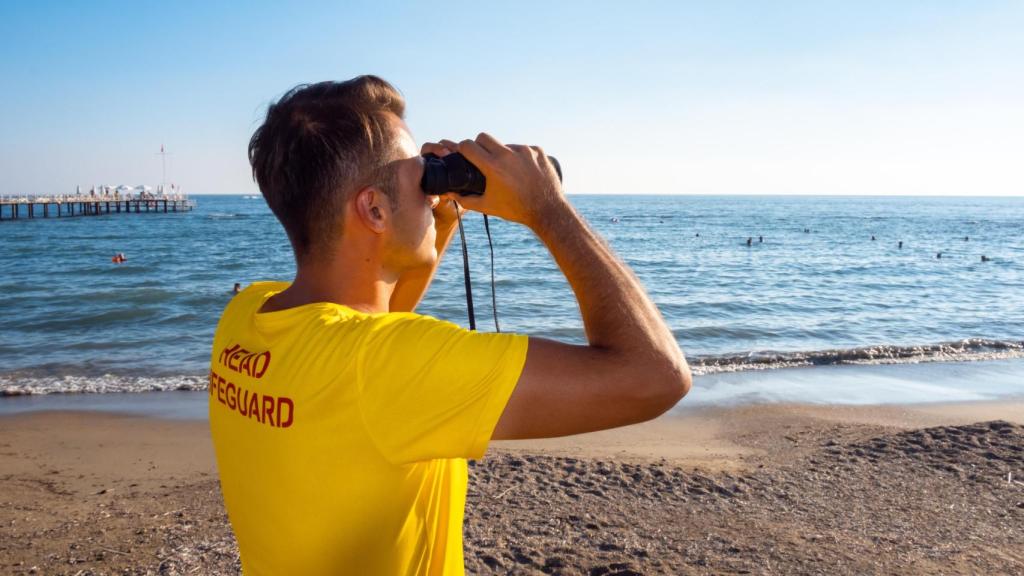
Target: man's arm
x=632, y=368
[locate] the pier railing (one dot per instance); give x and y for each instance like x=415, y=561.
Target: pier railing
x=59, y=206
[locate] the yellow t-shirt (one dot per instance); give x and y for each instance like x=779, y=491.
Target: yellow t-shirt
x=341, y=437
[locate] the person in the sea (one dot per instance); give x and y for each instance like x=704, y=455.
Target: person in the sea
x=237, y=288
x=342, y=419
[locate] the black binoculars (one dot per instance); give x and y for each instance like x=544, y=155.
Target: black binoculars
x=454, y=173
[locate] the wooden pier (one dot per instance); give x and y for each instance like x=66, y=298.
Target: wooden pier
x=14, y=208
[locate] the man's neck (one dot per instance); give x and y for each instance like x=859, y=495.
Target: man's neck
x=364, y=288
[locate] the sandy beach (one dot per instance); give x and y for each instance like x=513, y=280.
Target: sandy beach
x=768, y=489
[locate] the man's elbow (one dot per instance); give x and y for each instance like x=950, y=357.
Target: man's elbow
x=665, y=386
x=677, y=382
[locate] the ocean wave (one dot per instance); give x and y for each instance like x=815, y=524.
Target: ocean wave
x=968, y=350
x=15, y=385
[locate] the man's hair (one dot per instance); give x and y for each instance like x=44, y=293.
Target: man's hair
x=319, y=144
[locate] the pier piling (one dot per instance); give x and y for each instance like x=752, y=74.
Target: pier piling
x=67, y=205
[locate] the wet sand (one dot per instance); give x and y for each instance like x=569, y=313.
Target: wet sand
x=770, y=489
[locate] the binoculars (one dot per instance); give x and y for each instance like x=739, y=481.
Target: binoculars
x=454, y=173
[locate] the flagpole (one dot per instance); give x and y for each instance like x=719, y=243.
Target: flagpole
x=163, y=168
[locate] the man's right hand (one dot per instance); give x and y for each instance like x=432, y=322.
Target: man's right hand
x=522, y=184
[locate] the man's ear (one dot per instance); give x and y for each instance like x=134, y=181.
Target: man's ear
x=373, y=209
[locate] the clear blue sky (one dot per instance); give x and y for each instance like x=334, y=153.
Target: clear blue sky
x=647, y=97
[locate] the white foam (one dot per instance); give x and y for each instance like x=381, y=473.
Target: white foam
x=32, y=385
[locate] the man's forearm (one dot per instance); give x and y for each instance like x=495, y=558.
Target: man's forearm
x=617, y=313
x=411, y=287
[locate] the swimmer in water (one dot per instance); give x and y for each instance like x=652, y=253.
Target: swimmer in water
x=966, y=238
x=750, y=241
x=939, y=255
x=760, y=238
x=237, y=288
x=985, y=258
x=900, y=246
x=872, y=238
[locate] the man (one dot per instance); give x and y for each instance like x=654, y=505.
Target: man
x=342, y=420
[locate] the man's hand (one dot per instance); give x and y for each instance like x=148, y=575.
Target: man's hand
x=445, y=215
x=522, y=184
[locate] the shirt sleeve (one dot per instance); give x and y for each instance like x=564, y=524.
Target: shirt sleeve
x=431, y=389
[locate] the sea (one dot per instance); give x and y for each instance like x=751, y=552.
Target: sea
x=772, y=298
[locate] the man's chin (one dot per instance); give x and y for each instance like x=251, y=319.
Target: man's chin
x=424, y=260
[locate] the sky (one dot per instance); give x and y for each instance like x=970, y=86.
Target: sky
x=818, y=97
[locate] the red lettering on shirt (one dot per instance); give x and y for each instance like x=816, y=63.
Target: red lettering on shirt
x=220, y=389
x=235, y=356
x=276, y=411
x=226, y=353
x=260, y=364
x=254, y=407
x=281, y=403
x=268, y=410
x=238, y=359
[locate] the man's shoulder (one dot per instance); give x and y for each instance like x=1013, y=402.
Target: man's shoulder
x=248, y=301
x=263, y=289
x=424, y=332
x=410, y=322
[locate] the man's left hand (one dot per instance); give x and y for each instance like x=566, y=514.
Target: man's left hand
x=445, y=214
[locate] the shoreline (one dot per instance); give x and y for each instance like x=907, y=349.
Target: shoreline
x=805, y=488
x=831, y=385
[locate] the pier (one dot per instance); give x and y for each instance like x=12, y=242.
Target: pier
x=17, y=207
